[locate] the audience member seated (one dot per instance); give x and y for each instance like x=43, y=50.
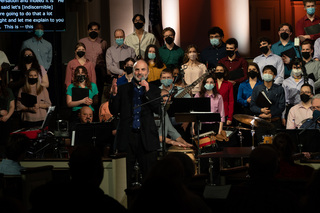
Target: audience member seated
x=308, y=20
x=33, y=114
x=170, y=53
x=82, y=193
x=192, y=68
x=152, y=57
x=118, y=53
x=246, y=88
x=27, y=61
x=128, y=72
x=310, y=200
x=216, y=51
x=3, y=58
x=15, y=150
x=301, y=111
x=7, y=104
x=269, y=58
x=285, y=44
x=41, y=47
x=312, y=66
x=81, y=80
x=139, y=39
x=79, y=60
x=225, y=89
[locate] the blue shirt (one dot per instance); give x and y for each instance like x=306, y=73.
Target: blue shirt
x=211, y=55
x=122, y=80
x=137, y=96
x=42, y=49
x=10, y=167
x=278, y=48
x=245, y=91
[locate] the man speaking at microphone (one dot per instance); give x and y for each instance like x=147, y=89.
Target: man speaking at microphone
x=137, y=134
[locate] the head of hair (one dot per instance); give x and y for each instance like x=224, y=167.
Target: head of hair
x=316, y=96
x=297, y=62
x=168, y=29
x=167, y=70
x=141, y=18
x=85, y=72
x=308, y=85
x=119, y=30
x=215, y=30
x=93, y=23
x=16, y=146
x=203, y=89
x=79, y=44
x=5, y=69
x=306, y=42
x=22, y=65
x=232, y=41
x=284, y=144
x=270, y=67
x=307, y=1
x=263, y=38
x=129, y=59
x=157, y=60
x=286, y=24
x=26, y=87
x=186, y=52
x=225, y=71
x=257, y=67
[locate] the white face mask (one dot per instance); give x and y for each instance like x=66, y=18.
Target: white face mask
x=192, y=56
x=296, y=72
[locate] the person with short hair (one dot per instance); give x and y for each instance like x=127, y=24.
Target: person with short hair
x=85, y=115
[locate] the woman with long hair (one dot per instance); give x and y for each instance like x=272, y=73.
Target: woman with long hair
x=79, y=60
x=32, y=116
x=154, y=62
x=192, y=67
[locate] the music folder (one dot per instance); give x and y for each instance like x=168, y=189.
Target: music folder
x=262, y=100
x=28, y=100
x=291, y=53
x=313, y=29
x=79, y=93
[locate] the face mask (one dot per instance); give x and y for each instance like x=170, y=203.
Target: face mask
x=284, y=36
x=166, y=82
x=128, y=70
x=230, y=53
x=80, y=54
x=93, y=34
x=305, y=55
x=264, y=49
x=151, y=56
x=219, y=75
x=208, y=86
x=169, y=40
x=81, y=78
x=39, y=33
x=252, y=74
x=315, y=115
x=138, y=25
x=304, y=98
x=28, y=59
x=119, y=41
x=32, y=81
x=214, y=41
x=296, y=72
x=311, y=10
x=192, y=56
x=267, y=77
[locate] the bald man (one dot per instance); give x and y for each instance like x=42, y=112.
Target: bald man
x=85, y=115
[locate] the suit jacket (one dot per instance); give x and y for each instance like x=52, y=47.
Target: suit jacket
x=123, y=103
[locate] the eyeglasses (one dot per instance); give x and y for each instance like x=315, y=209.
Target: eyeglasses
x=315, y=108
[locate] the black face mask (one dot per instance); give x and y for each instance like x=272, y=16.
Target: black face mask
x=252, y=74
x=230, y=53
x=219, y=75
x=138, y=25
x=81, y=78
x=305, y=55
x=32, y=81
x=304, y=98
x=93, y=34
x=28, y=59
x=128, y=70
x=264, y=49
x=81, y=54
x=284, y=36
x=169, y=40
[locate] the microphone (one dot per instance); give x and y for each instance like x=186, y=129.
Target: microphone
x=142, y=78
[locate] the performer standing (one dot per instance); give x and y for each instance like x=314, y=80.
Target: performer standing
x=137, y=134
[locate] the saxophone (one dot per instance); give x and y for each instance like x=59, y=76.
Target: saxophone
x=188, y=88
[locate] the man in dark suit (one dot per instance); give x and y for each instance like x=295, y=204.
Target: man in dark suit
x=137, y=134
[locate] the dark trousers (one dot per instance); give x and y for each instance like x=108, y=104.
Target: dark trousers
x=137, y=153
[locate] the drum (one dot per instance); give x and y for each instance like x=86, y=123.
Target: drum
x=267, y=139
x=205, y=140
x=189, y=152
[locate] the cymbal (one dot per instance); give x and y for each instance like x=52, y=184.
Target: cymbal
x=252, y=120
x=241, y=128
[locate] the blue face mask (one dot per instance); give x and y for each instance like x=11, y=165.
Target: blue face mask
x=311, y=10
x=166, y=82
x=151, y=56
x=208, y=86
x=315, y=115
x=267, y=77
x=119, y=41
x=39, y=33
x=214, y=41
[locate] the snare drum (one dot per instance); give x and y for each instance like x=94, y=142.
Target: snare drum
x=206, y=139
x=267, y=139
